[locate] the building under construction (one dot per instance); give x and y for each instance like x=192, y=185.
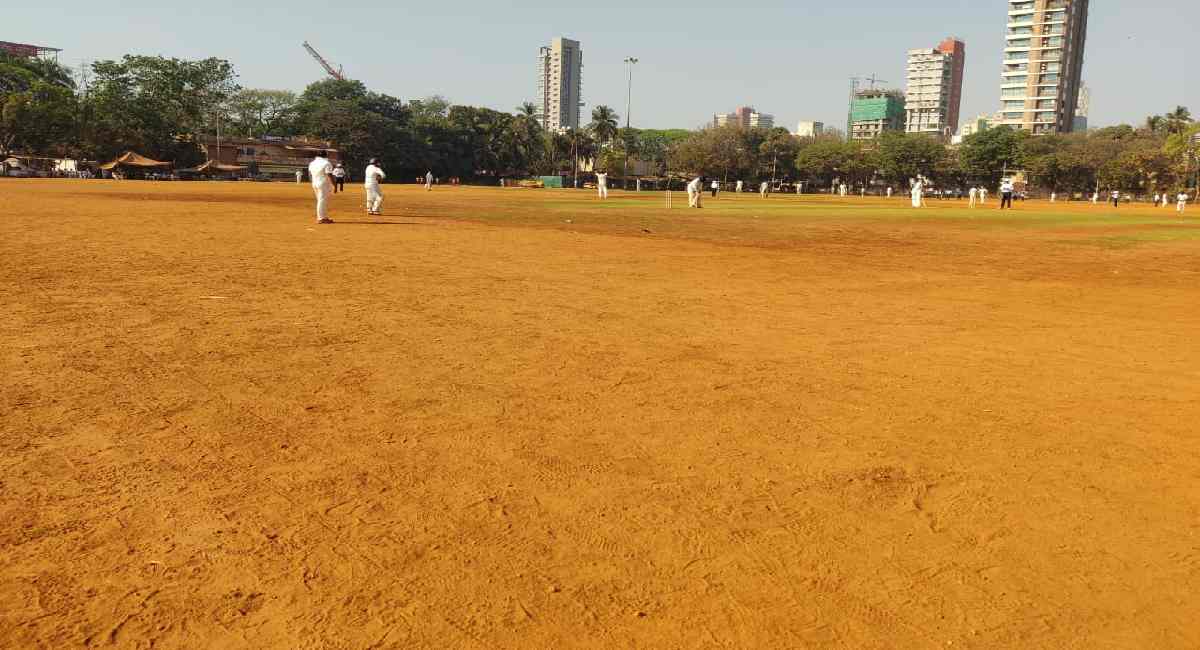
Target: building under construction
x=874, y=111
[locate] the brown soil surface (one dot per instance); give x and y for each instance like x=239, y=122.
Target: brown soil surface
x=526, y=419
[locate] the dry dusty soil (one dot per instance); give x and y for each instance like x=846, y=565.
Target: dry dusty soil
x=529, y=419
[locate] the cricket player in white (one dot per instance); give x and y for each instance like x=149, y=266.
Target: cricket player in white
x=740, y=185
x=889, y=191
x=1053, y=197
x=918, y=190
x=320, y=171
x=1182, y=201
x=695, y=189
x=429, y=181
x=974, y=194
x=602, y=184
x=766, y=187
x=374, y=196
x=299, y=176
x=983, y=196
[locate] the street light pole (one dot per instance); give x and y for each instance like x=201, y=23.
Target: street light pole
x=629, y=63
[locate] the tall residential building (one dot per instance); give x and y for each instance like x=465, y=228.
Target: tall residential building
x=810, y=129
x=1082, y=108
x=745, y=117
x=874, y=111
x=935, y=78
x=1043, y=62
x=560, y=85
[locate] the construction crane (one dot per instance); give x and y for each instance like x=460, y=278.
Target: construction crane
x=336, y=74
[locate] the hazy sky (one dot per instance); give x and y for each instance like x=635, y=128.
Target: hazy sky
x=792, y=58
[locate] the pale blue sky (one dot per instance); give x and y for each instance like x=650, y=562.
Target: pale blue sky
x=791, y=58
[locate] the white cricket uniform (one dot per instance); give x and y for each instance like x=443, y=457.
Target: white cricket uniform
x=299, y=177
x=889, y=192
x=917, y=194
x=1054, y=197
x=320, y=170
x=428, y=181
x=374, y=195
x=762, y=189
x=695, y=189
x=740, y=186
x=974, y=194
x=602, y=185
x=983, y=196
x=1095, y=197
x=1181, y=203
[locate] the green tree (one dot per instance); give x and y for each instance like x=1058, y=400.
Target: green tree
x=604, y=125
x=38, y=108
x=902, y=156
x=257, y=112
x=985, y=155
x=825, y=161
x=155, y=105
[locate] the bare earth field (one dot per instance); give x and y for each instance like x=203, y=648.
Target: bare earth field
x=528, y=419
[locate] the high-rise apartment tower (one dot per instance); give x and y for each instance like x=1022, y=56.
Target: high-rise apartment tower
x=935, y=79
x=1043, y=64
x=560, y=85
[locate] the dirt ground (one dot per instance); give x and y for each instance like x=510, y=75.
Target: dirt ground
x=528, y=419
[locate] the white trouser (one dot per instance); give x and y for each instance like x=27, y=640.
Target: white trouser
x=603, y=189
x=322, y=192
x=693, y=199
x=1181, y=206
x=374, y=198
x=428, y=186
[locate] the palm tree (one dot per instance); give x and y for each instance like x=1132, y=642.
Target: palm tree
x=1177, y=120
x=604, y=124
x=528, y=109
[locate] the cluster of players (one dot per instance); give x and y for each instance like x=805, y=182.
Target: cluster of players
x=328, y=179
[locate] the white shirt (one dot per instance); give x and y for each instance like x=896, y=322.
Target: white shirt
x=694, y=186
x=374, y=175
x=1006, y=187
x=1182, y=197
x=319, y=170
x=429, y=178
x=715, y=185
x=339, y=172
x=602, y=179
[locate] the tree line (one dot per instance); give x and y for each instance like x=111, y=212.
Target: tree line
x=160, y=106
